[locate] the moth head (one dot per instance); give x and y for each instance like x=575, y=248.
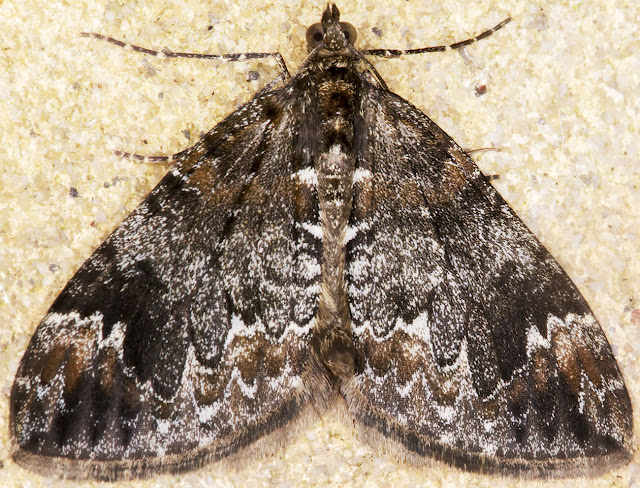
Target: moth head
x=335, y=35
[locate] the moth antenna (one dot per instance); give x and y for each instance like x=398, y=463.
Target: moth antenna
x=170, y=54
x=395, y=53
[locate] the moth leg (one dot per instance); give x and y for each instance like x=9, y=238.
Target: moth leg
x=283, y=76
x=149, y=159
x=170, y=54
x=395, y=53
x=483, y=149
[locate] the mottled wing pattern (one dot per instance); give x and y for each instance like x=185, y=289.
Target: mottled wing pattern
x=472, y=344
x=185, y=336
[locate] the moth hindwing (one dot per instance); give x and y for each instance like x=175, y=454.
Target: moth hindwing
x=327, y=242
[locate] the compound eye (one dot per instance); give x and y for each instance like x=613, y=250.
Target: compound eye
x=315, y=35
x=349, y=32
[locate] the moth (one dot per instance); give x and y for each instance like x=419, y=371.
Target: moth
x=325, y=243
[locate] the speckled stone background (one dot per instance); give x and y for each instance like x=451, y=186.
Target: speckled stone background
x=562, y=102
